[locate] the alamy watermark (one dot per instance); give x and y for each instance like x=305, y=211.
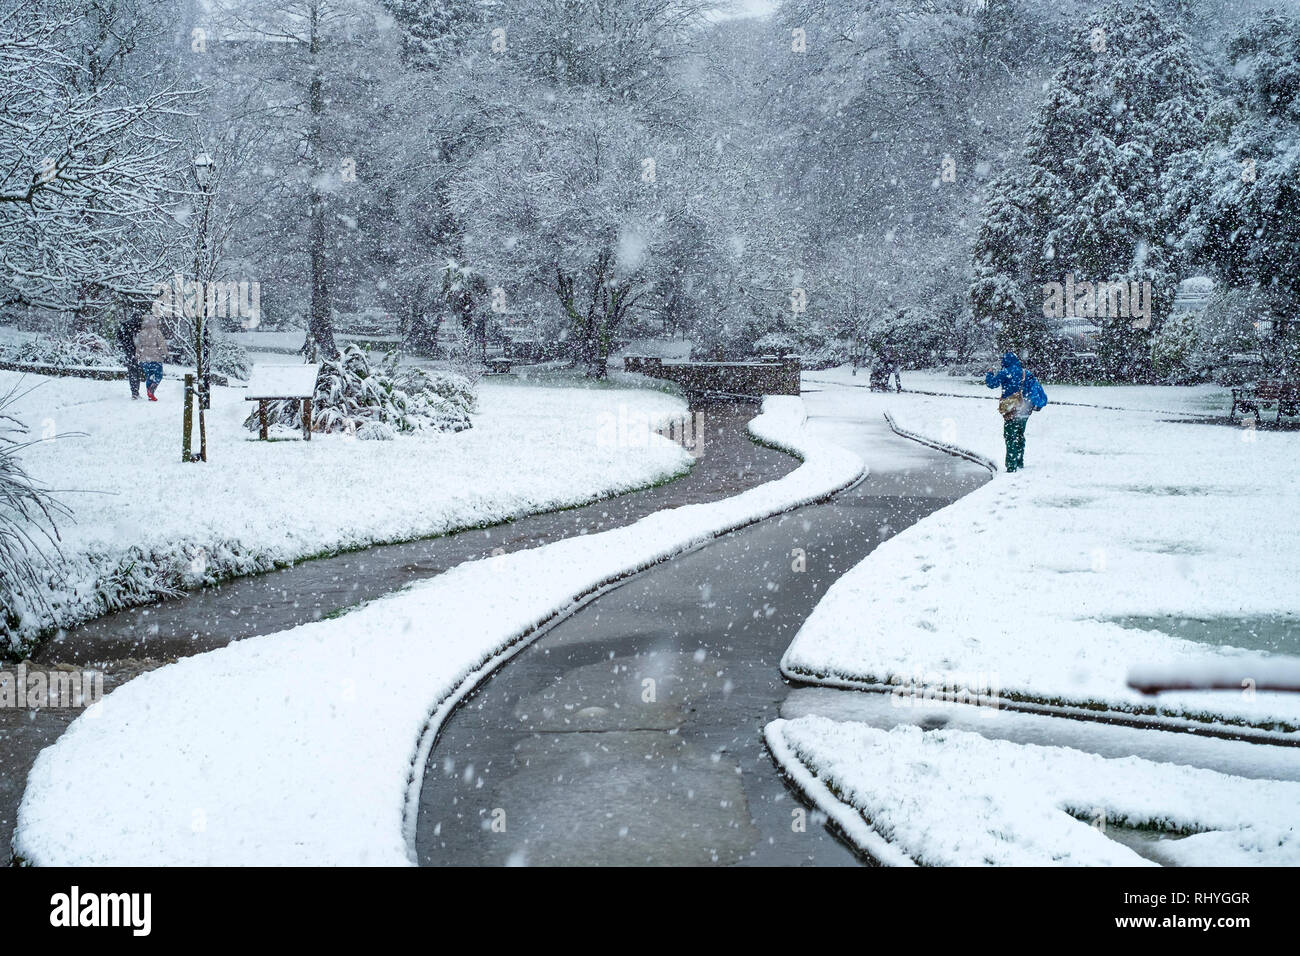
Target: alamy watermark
x=950, y=688
x=41, y=689
x=213, y=300
x=76, y=909
x=629, y=429
x=1120, y=299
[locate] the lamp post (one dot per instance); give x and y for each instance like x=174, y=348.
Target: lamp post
x=204, y=176
x=205, y=171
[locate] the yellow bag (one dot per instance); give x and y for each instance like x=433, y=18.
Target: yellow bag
x=1010, y=406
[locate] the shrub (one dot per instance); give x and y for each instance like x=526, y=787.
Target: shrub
x=1174, y=345
x=81, y=349
x=27, y=515
x=378, y=400
x=910, y=334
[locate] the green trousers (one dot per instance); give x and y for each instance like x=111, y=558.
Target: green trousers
x=1014, y=432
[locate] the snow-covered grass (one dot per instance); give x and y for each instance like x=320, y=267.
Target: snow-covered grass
x=308, y=746
x=146, y=524
x=1025, y=586
x=955, y=798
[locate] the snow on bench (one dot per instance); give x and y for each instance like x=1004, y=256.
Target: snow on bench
x=282, y=383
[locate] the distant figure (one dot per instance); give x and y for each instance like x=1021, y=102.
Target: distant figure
x=885, y=365
x=892, y=367
x=150, y=352
x=127, y=330
x=1022, y=395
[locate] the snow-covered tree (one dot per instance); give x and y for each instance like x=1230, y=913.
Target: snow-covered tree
x=317, y=65
x=1242, y=194
x=88, y=151
x=435, y=32
x=567, y=203
x=1088, y=197
x=998, y=293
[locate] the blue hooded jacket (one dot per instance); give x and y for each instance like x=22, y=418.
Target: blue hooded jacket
x=1015, y=379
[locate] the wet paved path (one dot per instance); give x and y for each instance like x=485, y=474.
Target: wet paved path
x=130, y=641
x=630, y=732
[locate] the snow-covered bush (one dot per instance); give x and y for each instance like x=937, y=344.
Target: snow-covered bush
x=229, y=358
x=27, y=515
x=84, y=349
x=1174, y=346
x=780, y=343
x=911, y=334
x=378, y=400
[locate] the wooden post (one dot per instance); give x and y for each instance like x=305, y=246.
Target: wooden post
x=203, y=428
x=261, y=417
x=189, y=418
x=306, y=419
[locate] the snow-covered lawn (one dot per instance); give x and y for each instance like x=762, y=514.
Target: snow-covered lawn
x=955, y=798
x=308, y=746
x=146, y=523
x=1039, y=586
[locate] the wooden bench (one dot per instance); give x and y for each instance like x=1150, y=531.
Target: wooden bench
x=499, y=365
x=282, y=383
x=1253, y=399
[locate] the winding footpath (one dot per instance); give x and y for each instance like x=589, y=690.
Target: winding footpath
x=126, y=643
x=626, y=731
x=631, y=732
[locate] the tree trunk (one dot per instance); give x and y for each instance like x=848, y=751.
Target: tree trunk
x=320, y=323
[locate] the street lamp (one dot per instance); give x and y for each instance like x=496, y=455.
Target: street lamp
x=205, y=176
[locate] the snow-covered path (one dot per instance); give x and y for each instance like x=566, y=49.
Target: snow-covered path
x=630, y=733
x=727, y=461
x=163, y=766
x=157, y=783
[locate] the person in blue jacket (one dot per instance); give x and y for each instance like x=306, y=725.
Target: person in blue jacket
x=1022, y=395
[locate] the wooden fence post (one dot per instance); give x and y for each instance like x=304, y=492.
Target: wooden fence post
x=186, y=455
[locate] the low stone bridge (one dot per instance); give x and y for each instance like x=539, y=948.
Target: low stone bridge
x=760, y=377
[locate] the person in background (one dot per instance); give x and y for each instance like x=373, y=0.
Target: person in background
x=884, y=366
x=1022, y=395
x=151, y=352
x=127, y=330
x=893, y=368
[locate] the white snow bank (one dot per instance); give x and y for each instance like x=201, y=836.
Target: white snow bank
x=954, y=798
x=147, y=524
x=307, y=747
x=1029, y=586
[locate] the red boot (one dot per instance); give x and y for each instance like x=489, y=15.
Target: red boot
x=152, y=396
